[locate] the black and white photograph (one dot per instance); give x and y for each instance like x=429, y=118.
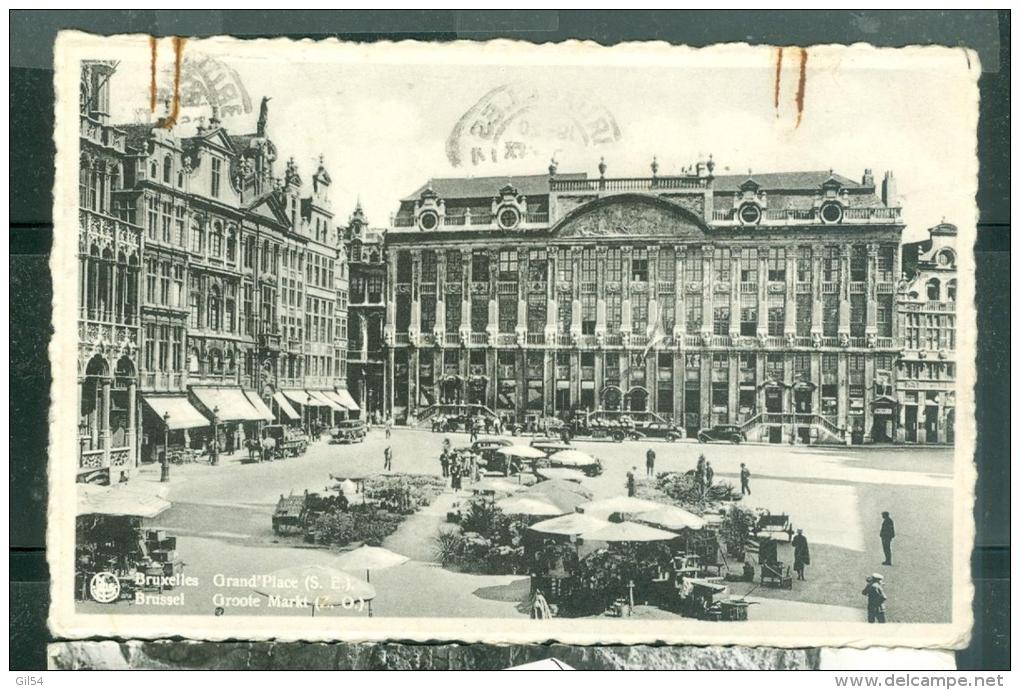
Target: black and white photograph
x=507, y=343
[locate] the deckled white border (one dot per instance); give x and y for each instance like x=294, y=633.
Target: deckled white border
x=64, y=622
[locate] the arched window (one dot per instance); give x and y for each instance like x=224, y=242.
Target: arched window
x=152, y=170
x=216, y=240
x=193, y=366
x=197, y=236
x=951, y=290
x=231, y=244
x=180, y=178
x=215, y=361
x=168, y=169
x=213, y=320
x=932, y=287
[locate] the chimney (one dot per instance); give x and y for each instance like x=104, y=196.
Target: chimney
x=889, y=195
x=869, y=179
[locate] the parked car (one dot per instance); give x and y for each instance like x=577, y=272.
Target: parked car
x=664, y=430
x=486, y=448
x=550, y=445
x=722, y=432
x=348, y=431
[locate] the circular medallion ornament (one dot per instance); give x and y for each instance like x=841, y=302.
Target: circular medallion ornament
x=508, y=218
x=104, y=587
x=750, y=214
x=831, y=212
x=428, y=220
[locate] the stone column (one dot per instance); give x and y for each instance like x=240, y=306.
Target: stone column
x=679, y=381
x=706, y=388
x=132, y=433
x=816, y=378
x=600, y=309
x=552, y=312
x=842, y=395
x=104, y=421
x=763, y=292
x=869, y=414
x=733, y=401
x=653, y=291
x=626, y=317
x=735, y=296
x=440, y=326
x=415, y=293
x=493, y=327
x=390, y=377
x=871, y=297
x=466, y=263
x=816, y=292
x=679, y=307
x=548, y=382
x=707, y=318
x=575, y=294
x=790, y=313
x=844, y=290
x=522, y=290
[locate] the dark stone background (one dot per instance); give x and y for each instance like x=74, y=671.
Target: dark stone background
x=31, y=179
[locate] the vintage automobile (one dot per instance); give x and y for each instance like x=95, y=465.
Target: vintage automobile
x=550, y=445
x=598, y=426
x=456, y=417
x=348, y=431
x=722, y=433
x=485, y=448
x=664, y=430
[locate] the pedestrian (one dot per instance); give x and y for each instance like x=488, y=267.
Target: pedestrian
x=632, y=481
x=876, y=599
x=455, y=473
x=388, y=459
x=446, y=444
x=444, y=462
x=650, y=462
x=887, y=533
x=699, y=471
x=709, y=474
x=745, y=480
x=474, y=430
x=801, y=553
x=488, y=426
x=476, y=469
x=389, y=427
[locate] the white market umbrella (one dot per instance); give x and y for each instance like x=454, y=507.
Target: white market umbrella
x=498, y=486
x=529, y=505
x=672, y=517
x=619, y=504
x=622, y=532
x=316, y=586
x=140, y=499
x=573, y=458
x=554, y=485
x=560, y=473
x=570, y=525
x=526, y=452
x=566, y=501
x=369, y=558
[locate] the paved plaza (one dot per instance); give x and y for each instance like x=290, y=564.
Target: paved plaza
x=221, y=516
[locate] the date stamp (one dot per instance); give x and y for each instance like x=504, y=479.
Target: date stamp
x=515, y=121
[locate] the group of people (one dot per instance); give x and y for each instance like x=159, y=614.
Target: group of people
x=457, y=464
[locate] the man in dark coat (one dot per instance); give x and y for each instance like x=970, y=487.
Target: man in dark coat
x=444, y=462
x=876, y=599
x=887, y=533
x=388, y=459
x=709, y=474
x=801, y=554
x=632, y=481
x=650, y=462
x=745, y=480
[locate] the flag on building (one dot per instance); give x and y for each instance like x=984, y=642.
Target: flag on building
x=657, y=334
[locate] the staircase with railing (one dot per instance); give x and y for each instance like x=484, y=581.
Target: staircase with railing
x=824, y=430
x=425, y=414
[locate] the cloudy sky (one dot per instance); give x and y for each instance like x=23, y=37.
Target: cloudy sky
x=388, y=117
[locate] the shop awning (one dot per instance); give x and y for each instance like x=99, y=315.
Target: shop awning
x=327, y=401
x=300, y=397
x=183, y=414
x=345, y=399
x=231, y=404
x=260, y=407
x=285, y=408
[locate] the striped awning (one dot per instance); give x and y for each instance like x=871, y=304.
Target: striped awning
x=327, y=401
x=345, y=399
x=231, y=404
x=182, y=414
x=300, y=397
x=261, y=407
x=285, y=407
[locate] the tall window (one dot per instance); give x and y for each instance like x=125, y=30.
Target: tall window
x=164, y=283
x=216, y=240
x=639, y=265
x=197, y=237
x=721, y=265
x=166, y=218
x=429, y=268
x=614, y=264
x=163, y=349
x=452, y=304
x=614, y=311
x=564, y=266
x=508, y=264
x=230, y=309
x=480, y=266
x=216, y=171
x=538, y=265
x=639, y=311
x=803, y=315
x=721, y=314
x=589, y=269
x=886, y=263
x=151, y=278
x=666, y=269
x=858, y=315
x=231, y=245
x=507, y=313
x=858, y=263
x=213, y=319
x=667, y=306
x=694, y=271
x=748, y=315
x=537, y=308
x=565, y=315
x=479, y=314
x=804, y=264
x=152, y=218
x=749, y=265
x=454, y=267
x=693, y=313
x=194, y=303
x=777, y=264
x=830, y=264
x=178, y=238
x=589, y=313
x=830, y=315
x=884, y=316
x=168, y=170
x=428, y=313
x=777, y=312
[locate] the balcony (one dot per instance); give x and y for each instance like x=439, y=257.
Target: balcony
x=402, y=339
x=627, y=184
x=479, y=338
x=857, y=287
x=803, y=288
x=105, y=459
x=506, y=287
x=830, y=288
x=536, y=338
x=452, y=339
x=613, y=339
x=270, y=342
x=162, y=381
x=748, y=288
x=474, y=221
x=851, y=216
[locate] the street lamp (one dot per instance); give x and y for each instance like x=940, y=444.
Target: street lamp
x=215, y=436
x=308, y=416
x=164, y=473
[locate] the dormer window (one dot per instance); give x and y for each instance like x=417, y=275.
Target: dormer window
x=216, y=171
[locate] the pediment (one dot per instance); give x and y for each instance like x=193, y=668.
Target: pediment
x=270, y=208
x=631, y=215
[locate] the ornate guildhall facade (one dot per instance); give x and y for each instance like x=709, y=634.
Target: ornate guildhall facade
x=761, y=300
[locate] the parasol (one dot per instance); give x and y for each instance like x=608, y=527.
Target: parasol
x=573, y=458
x=561, y=473
x=497, y=486
x=526, y=452
x=566, y=501
x=316, y=586
x=140, y=499
x=619, y=504
x=369, y=558
x=571, y=525
x=671, y=517
x=562, y=485
x=529, y=505
x=628, y=532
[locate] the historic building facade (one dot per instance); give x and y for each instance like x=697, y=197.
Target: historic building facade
x=109, y=270
x=761, y=300
x=926, y=378
x=366, y=257
x=209, y=289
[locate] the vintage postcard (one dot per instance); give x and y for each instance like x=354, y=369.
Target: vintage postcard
x=513, y=343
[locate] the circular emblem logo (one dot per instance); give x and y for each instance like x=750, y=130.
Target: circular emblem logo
x=509, y=218
x=104, y=587
x=428, y=220
x=831, y=212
